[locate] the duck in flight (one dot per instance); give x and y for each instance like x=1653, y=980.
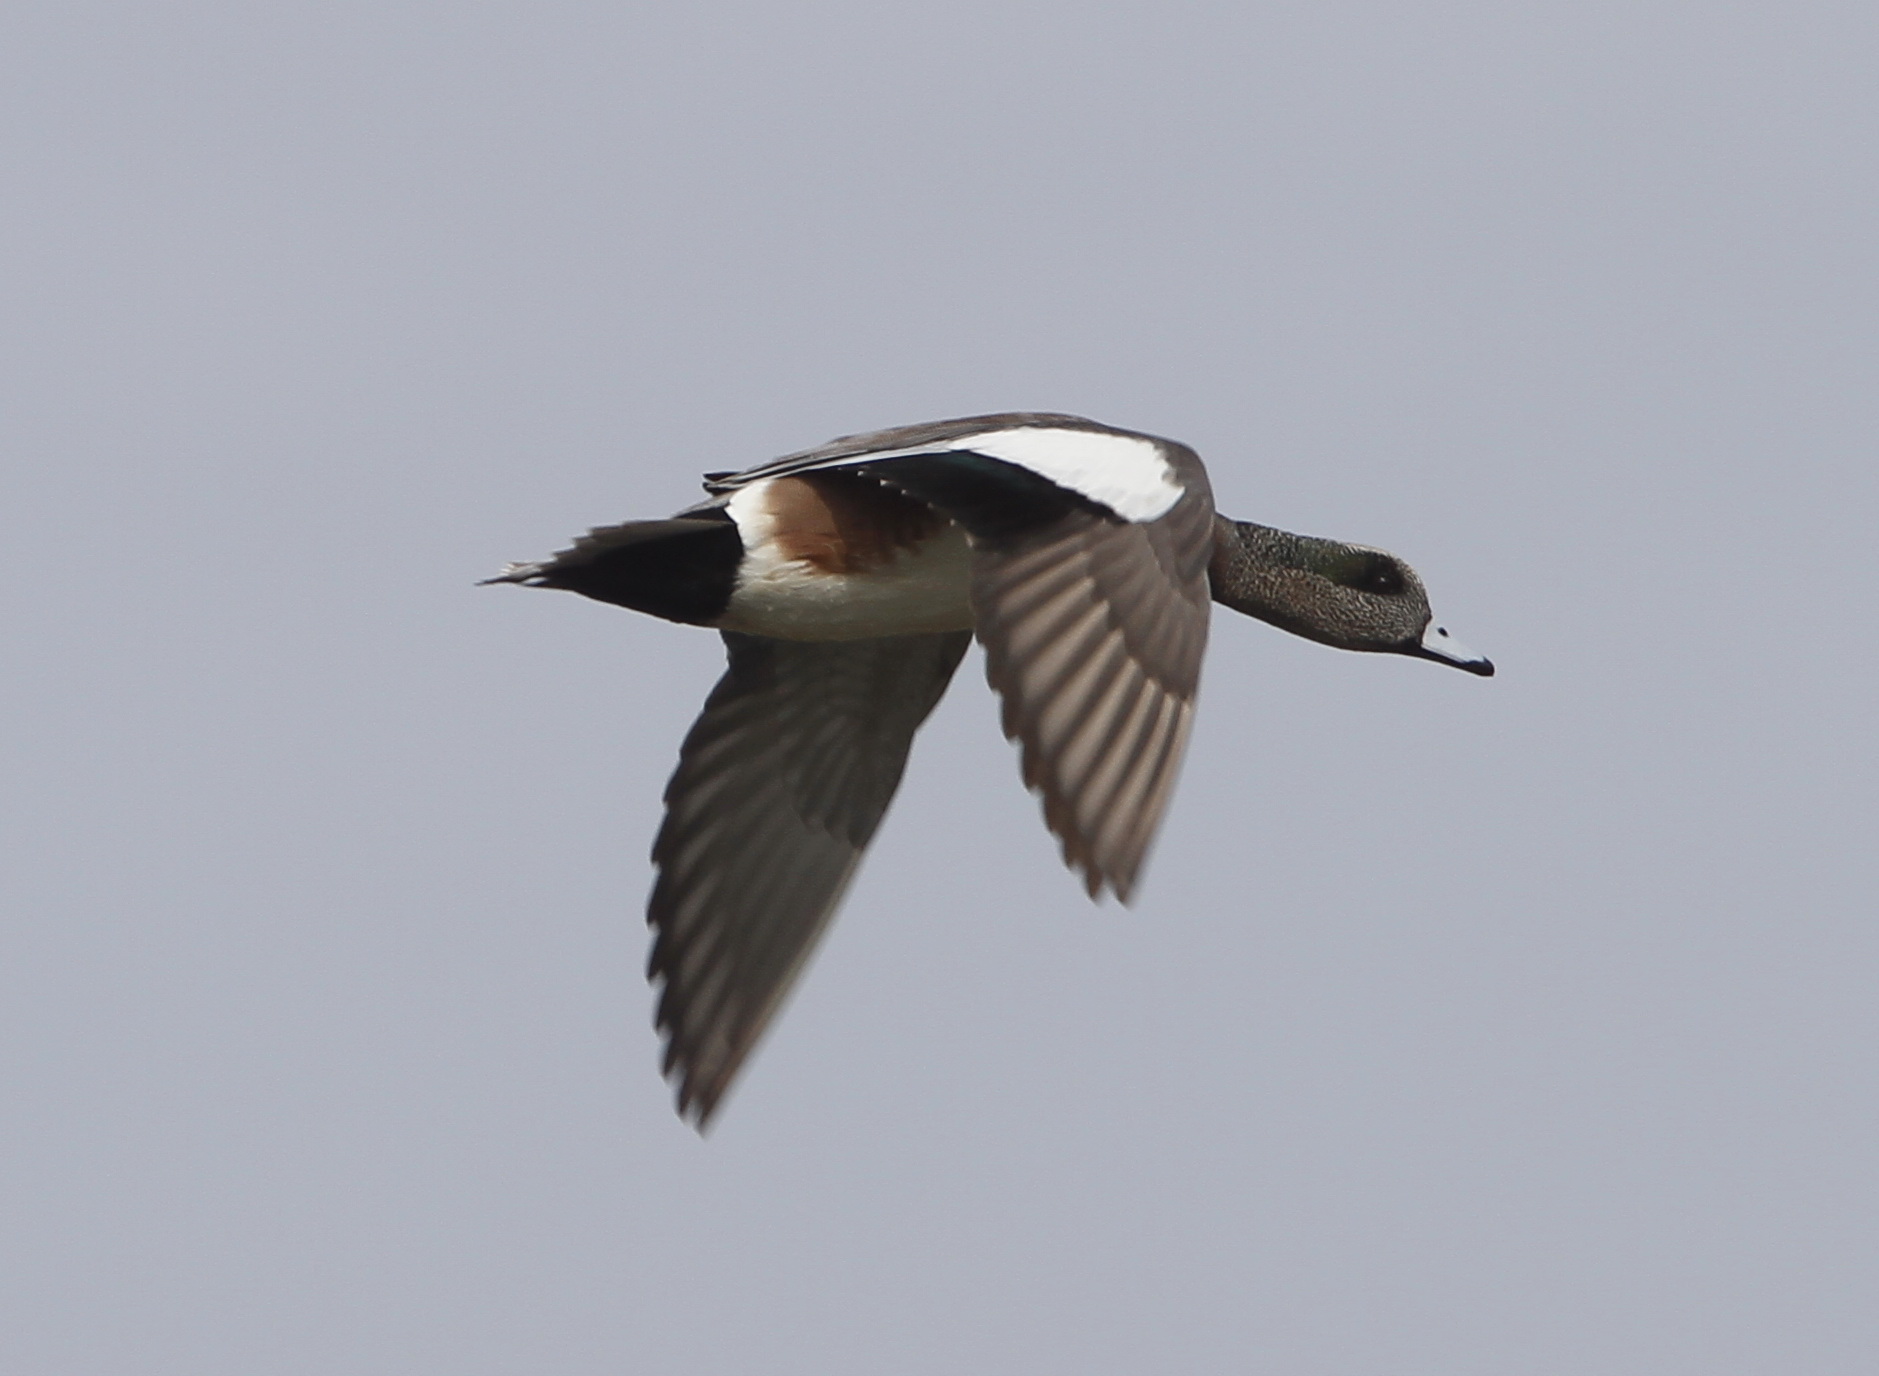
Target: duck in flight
x=847, y=582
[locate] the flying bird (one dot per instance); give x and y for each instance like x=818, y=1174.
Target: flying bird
x=847, y=582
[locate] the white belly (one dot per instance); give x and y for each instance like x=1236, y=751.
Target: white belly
x=922, y=590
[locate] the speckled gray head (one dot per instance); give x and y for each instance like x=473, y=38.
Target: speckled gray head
x=1352, y=596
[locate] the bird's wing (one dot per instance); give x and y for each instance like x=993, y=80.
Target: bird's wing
x=1137, y=477
x=780, y=786
x=1094, y=632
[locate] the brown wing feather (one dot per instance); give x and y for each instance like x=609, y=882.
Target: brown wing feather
x=1094, y=631
x=780, y=786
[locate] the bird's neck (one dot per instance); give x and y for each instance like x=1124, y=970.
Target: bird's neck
x=1273, y=574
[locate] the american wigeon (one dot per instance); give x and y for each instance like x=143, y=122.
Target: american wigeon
x=847, y=582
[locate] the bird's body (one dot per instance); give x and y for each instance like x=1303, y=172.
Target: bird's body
x=848, y=581
x=828, y=558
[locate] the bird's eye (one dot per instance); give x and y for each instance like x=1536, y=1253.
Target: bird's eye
x=1377, y=574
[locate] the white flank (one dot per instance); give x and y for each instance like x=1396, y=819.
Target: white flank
x=923, y=590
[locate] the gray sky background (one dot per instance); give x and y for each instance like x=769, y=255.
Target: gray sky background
x=1512, y=1026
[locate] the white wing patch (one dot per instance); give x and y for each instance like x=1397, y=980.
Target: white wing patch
x=1126, y=473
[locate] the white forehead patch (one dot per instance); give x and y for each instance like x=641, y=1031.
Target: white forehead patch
x=1126, y=473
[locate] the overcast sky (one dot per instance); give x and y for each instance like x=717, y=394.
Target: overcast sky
x=1463, y=1027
